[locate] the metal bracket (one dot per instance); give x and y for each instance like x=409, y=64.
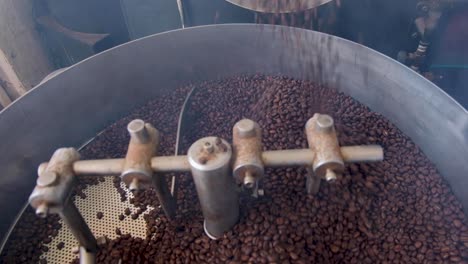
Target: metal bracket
x=209, y=159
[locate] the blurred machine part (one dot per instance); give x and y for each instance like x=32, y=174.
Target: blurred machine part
x=278, y=6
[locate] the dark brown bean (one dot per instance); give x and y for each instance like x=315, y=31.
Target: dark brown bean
x=127, y=211
x=99, y=215
x=60, y=245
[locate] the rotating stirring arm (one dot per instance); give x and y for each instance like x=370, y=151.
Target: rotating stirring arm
x=324, y=158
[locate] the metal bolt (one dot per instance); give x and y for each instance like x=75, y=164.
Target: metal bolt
x=137, y=130
x=134, y=185
x=325, y=123
x=249, y=180
x=46, y=178
x=330, y=175
x=245, y=128
x=208, y=147
x=42, y=210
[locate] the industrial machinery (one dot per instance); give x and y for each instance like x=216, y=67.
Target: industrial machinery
x=209, y=159
x=433, y=120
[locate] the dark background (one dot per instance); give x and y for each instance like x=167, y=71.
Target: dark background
x=386, y=26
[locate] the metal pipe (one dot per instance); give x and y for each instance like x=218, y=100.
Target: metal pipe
x=167, y=201
x=216, y=188
x=87, y=257
x=115, y=166
x=103, y=166
x=289, y=157
x=369, y=153
x=271, y=158
x=305, y=157
x=77, y=225
x=170, y=164
x=312, y=181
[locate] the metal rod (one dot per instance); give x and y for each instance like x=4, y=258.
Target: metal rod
x=104, y=166
x=87, y=257
x=369, y=153
x=167, y=201
x=290, y=157
x=73, y=219
x=170, y=164
x=272, y=158
x=174, y=185
x=114, y=166
x=312, y=182
x=305, y=157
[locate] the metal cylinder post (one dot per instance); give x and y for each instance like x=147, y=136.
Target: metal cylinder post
x=322, y=139
x=144, y=142
x=80, y=230
x=209, y=160
x=247, y=146
x=167, y=201
x=87, y=257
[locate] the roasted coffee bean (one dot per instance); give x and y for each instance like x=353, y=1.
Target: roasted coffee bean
x=24, y=244
x=127, y=211
x=60, y=245
x=121, y=217
x=99, y=215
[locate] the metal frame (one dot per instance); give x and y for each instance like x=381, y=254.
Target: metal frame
x=210, y=160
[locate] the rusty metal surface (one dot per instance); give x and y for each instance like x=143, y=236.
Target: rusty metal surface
x=247, y=152
x=326, y=147
x=54, y=195
x=137, y=164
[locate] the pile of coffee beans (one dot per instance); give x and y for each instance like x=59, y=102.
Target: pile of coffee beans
x=31, y=237
x=396, y=211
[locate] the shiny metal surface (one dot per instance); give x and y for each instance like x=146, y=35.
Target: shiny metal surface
x=278, y=6
x=78, y=103
x=209, y=160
